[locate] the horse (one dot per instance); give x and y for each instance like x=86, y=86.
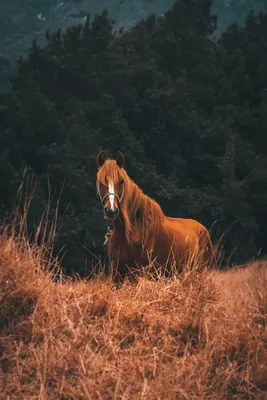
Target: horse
x=142, y=234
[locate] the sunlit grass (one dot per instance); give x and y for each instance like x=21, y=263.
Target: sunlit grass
x=200, y=334
x=195, y=335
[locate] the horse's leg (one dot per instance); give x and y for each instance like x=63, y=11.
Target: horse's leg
x=118, y=271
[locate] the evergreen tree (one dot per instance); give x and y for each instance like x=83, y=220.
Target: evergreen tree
x=188, y=112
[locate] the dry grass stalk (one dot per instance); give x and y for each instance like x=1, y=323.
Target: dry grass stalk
x=198, y=335
x=202, y=334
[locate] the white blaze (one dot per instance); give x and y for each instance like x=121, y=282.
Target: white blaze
x=111, y=196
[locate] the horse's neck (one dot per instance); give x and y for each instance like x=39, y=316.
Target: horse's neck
x=119, y=227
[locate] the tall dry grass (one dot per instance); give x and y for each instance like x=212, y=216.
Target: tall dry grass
x=199, y=335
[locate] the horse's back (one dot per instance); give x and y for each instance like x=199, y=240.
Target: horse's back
x=191, y=232
x=186, y=225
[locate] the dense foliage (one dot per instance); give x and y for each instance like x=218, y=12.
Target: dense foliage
x=189, y=113
x=20, y=21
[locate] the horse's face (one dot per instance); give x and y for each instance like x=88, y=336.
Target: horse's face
x=111, y=194
x=110, y=185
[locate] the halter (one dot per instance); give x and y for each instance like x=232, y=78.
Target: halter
x=110, y=223
x=119, y=199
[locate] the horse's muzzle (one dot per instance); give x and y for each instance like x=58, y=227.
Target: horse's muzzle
x=111, y=213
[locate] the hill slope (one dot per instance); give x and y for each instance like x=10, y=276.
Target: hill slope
x=195, y=336
x=21, y=21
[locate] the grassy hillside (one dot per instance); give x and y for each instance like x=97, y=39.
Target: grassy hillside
x=196, y=336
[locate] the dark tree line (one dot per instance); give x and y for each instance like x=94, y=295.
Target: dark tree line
x=189, y=113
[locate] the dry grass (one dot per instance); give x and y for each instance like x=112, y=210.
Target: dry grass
x=201, y=335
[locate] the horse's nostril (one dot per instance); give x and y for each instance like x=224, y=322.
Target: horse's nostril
x=111, y=213
x=108, y=211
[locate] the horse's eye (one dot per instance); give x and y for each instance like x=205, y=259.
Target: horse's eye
x=121, y=182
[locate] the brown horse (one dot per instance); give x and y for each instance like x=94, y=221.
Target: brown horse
x=141, y=231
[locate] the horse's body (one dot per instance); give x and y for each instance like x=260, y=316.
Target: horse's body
x=141, y=232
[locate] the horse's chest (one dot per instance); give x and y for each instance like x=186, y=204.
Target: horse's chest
x=126, y=253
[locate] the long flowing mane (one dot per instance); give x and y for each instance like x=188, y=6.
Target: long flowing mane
x=139, y=211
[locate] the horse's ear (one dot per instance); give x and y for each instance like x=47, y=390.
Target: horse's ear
x=120, y=159
x=100, y=159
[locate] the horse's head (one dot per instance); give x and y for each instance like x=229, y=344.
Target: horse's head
x=110, y=184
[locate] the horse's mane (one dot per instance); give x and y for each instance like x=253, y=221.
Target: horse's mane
x=139, y=211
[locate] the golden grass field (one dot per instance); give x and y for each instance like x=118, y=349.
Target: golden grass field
x=199, y=335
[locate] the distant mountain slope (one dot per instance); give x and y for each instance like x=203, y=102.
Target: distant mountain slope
x=22, y=20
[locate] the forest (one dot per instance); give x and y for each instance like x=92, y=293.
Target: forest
x=188, y=111
x=21, y=21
